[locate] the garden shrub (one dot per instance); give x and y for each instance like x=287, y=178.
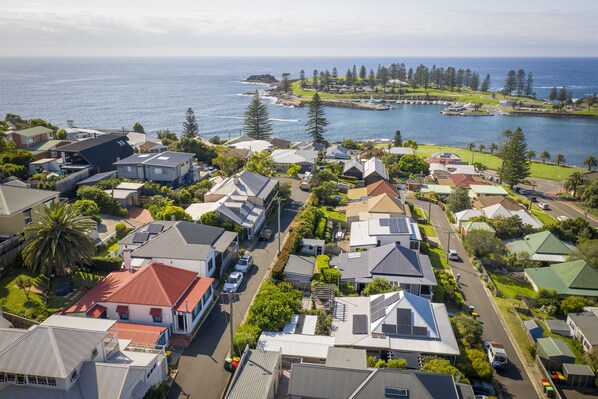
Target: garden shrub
x=121, y=230
x=105, y=263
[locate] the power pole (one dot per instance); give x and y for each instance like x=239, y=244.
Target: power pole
x=230, y=302
x=532, y=195
x=449, y=233
x=430, y=210
x=278, y=199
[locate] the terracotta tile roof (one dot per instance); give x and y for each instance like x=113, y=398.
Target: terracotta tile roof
x=96, y=311
x=382, y=187
x=139, y=333
x=463, y=180
x=194, y=294
x=155, y=284
x=486, y=201
x=100, y=292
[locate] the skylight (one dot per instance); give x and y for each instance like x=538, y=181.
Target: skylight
x=163, y=158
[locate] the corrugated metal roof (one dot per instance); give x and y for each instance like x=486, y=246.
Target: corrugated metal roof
x=33, y=131
x=302, y=265
x=319, y=381
x=108, y=381
x=346, y=358
x=49, y=351
x=551, y=347
x=374, y=165
x=255, y=374
x=17, y=199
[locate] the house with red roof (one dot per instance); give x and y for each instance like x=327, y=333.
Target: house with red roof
x=155, y=295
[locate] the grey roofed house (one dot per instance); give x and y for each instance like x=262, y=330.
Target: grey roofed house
x=395, y=263
x=412, y=326
x=306, y=158
x=49, y=351
x=17, y=199
x=401, y=151
x=322, y=381
x=239, y=139
x=167, y=158
x=183, y=240
x=584, y=327
x=373, y=171
x=280, y=143
x=352, y=163
x=299, y=268
x=103, y=381
x=309, y=145
x=559, y=327
x=256, y=376
x=337, y=152
x=3, y=322
x=92, y=180
x=249, y=184
x=346, y=358
x=100, y=152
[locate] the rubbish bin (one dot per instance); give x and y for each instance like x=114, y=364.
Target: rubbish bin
x=227, y=364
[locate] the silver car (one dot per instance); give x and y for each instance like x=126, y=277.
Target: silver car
x=233, y=283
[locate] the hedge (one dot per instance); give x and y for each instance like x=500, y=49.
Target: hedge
x=105, y=263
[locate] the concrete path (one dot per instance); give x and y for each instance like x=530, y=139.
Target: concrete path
x=201, y=367
x=513, y=379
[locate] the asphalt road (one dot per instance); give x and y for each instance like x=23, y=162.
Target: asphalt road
x=201, y=367
x=513, y=379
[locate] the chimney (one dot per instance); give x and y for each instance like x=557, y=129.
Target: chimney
x=236, y=179
x=127, y=259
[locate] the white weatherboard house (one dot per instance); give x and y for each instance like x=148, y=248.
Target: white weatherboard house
x=373, y=233
x=399, y=324
x=72, y=357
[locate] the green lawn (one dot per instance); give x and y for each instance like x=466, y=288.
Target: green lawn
x=438, y=257
x=428, y=229
x=511, y=287
x=515, y=326
x=492, y=162
x=543, y=217
x=109, y=250
x=336, y=215
x=14, y=300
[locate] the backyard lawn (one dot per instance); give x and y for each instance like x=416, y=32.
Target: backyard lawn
x=14, y=300
x=333, y=214
x=510, y=287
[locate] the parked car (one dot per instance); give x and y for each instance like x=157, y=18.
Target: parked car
x=496, y=354
x=562, y=218
x=244, y=263
x=265, y=234
x=482, y=388
x=233, y=283
x=543, y=205
x=533, y=198
x=453, y=255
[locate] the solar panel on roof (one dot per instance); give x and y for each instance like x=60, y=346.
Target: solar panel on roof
x=398, y=226
x=420, y=331
x=383, y=222
x=389, y=329
x=360, y=324
x=378, y=314
x=140, y=237
x=155, y=228
x=392, y=299
x=404, y=330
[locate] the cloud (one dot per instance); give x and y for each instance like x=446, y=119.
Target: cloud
x=43, y=30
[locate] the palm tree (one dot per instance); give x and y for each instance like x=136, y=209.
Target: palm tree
x=544, y=156
x=531, y=154
x=559, y=159
x=590, y=162
x=470, y=146
x=493, y=146
x=574, y=182
x=481, y=147
x=58, y=241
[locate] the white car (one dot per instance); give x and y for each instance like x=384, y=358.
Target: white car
x=543, y=205
x=453, y=255
x=233, y=282
x=562, y=218
x=244, y=263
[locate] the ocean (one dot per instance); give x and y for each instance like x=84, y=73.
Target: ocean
x=117, y=92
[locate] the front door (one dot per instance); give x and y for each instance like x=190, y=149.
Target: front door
x=182, y=322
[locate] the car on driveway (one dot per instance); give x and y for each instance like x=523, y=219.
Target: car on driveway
x=244, y=263
x=562, y=218
x=233, y=283
x=482, y=388
x=453, y=255
x=544, y=206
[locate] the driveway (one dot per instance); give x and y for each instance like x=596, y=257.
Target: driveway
x=201, y=367
x=513, y=379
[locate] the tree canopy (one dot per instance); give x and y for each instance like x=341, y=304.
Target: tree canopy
x=513, y=152
x=261, y=163
x=190, y=127
x=378, y=286
x=257, y=123
x=316, y=120
x=413, y=165
x=458, y=200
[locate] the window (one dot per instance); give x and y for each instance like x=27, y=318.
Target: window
x=123, y=316
x=94, y=353
x=32, y=379
x=48, y=203
x=27, y=215
x=129, y=168
x=158, y=171
x=2, y=378
x=75, y=375
x=196, y=310
x=157, y=319
x=210, y=266
x=20, y=379
x=51, y=381
x=414, y=245
x=10, y=377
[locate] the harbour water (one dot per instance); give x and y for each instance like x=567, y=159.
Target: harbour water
x=117, y=92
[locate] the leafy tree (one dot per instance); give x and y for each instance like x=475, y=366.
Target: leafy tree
x=227, y=162
x=588, y=251
x=10, y=169
x=257, y=123
x=284, y=190
x=104, y=201
x=24, y=283
x=590, y=162
x=589, y=195
x=572, y=230
x=190, y=128
x=121, y=230
x=294, y=170
x=61, y=134
x=530, y=154
x=210, y=219
x=573, y=182
x=177, y=212
x=273, y=306
x=261, y=163
x=529, y=85
x=485, y=87
x=362, y=73
x=89, y=208
x=458, y=200
x=481, y=147
x=470, y=146
x=138, y=128
x=411, y=144
x=513, y=153
x=378, y=286
x=562, y=96
x=493, y=147
x=58, y=241
x=544, y=156
x=467, y=329
x=474, y=364
x=444, y=366
x=559, y=159
x=520, y=82
x=574, y=304
x=203, y=152
x=474, y=83
x=321, y=177
x=166, y=136
x=552, y=96
x=413, y=164
x=17, y=157
x=482, y=244
x=215, y=140
x=245, y=334
x=511, y=227
x=381, y=364
x=350, y=144
x=316, y=120
x=326, y=193
x=399, y=363
x=398, y=139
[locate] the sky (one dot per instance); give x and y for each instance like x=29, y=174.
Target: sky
x=299, y=28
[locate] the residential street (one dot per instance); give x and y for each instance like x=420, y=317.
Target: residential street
x=201, y=367
x=513, y=379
